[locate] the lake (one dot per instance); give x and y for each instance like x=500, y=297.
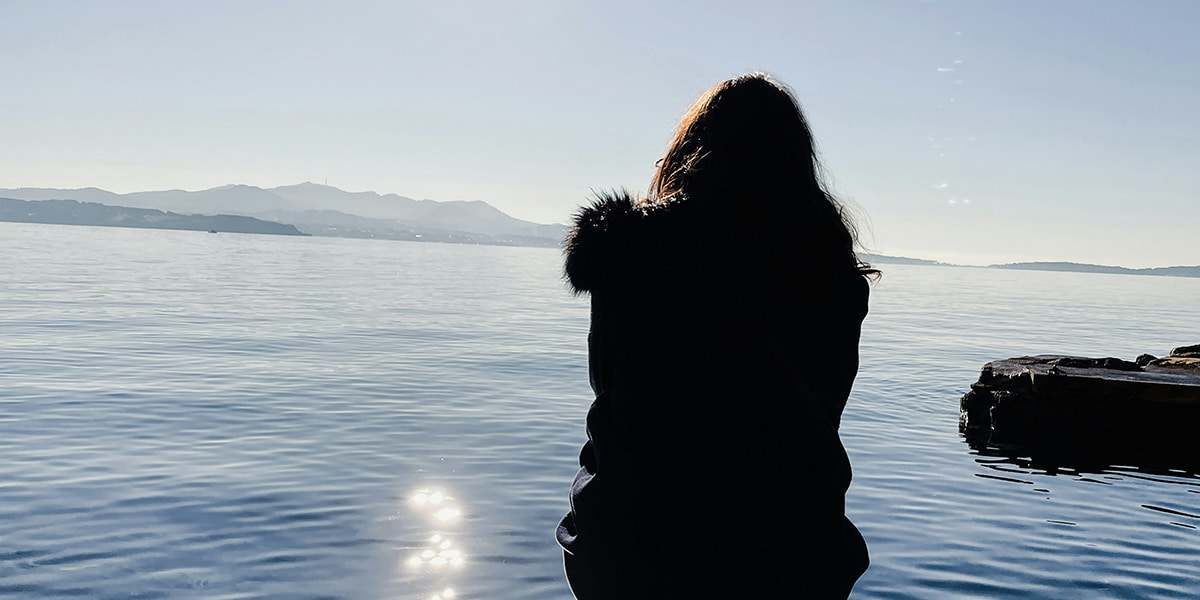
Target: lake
x=190, y=415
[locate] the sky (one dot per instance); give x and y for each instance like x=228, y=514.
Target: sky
x=966, y=131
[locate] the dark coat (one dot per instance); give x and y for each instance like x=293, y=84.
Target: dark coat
x=721, y=359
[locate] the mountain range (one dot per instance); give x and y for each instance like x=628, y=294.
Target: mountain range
x=324, y=210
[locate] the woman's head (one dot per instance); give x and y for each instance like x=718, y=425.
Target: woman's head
x=743, y=134
x=745, y=141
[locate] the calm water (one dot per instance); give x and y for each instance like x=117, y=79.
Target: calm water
x=186, y=415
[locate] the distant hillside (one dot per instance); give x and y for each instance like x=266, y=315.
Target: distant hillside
x=72, y=212
x=897, y=260
x=90, y=194
x=474, y=216
x=325, y=210
x=339, y=224
x=1086, y=268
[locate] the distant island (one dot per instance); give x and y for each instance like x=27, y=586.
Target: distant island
x=1086, y=268
x=73, y=212
x=901, y=260
x=1064, y=267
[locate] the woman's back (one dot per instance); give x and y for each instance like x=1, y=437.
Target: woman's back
x=722, y=349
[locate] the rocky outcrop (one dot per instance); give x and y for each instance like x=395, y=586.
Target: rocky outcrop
x=1068, y=409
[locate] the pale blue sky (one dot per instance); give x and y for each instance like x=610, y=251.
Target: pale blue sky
x=967, y=131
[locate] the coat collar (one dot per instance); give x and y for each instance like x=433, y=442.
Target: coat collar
x=615, y=240
x=750, y=239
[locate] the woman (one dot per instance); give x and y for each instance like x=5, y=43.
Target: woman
x=726, y=308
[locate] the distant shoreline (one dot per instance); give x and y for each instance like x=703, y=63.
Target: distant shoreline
x=1060, y=267
x=75, y=212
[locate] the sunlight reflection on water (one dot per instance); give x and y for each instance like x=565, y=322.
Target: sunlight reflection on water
x=440, y=551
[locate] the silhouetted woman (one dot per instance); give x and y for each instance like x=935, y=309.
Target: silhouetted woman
x=726, y=308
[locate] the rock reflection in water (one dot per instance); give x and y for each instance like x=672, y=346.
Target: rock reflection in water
x=440, y=552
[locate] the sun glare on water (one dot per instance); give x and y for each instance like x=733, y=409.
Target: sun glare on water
x=439, y=554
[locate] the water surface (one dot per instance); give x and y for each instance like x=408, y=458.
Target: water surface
x=236, y=416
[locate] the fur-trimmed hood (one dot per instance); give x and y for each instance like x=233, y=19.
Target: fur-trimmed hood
x=595, y=236
x=614, y=240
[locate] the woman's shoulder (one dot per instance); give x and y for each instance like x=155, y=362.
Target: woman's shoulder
x=615, y=240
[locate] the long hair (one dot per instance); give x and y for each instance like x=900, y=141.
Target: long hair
x=746, y=140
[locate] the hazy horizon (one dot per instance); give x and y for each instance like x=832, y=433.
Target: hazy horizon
x=872, y=254
x=968, y=133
